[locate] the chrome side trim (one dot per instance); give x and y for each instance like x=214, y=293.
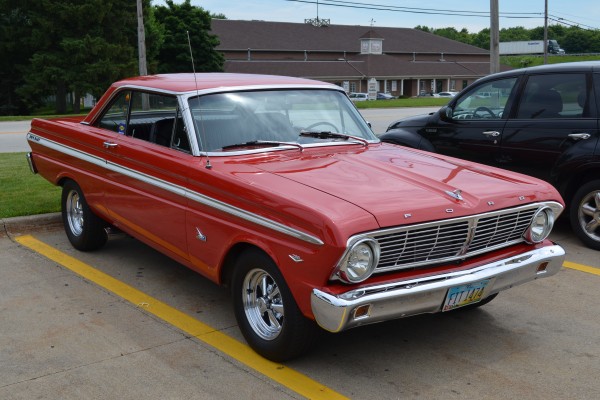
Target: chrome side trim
x=404, y=298
x=178, y=190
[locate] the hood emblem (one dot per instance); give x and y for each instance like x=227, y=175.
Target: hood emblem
x=457, y=194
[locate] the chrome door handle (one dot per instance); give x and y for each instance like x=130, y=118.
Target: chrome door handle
x=491, y=133
x=579, y=136
x=110, y=145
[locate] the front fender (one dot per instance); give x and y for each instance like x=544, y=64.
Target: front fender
x=408, y=139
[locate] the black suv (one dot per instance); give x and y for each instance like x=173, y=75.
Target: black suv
x=541, y=121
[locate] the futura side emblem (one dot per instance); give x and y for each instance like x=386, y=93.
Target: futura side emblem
x=457, y=194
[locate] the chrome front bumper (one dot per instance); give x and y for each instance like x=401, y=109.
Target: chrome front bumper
x=336, y=313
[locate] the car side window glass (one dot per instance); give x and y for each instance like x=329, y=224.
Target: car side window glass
x=483, y=102
x=554, y=96
x=115, y=118
x=152, y=117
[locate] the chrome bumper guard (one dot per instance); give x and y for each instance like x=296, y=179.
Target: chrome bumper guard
x=31, y=163
x=378, y=303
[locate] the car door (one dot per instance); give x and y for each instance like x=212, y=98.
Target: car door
x=148, y=175
x=472, y=127
x=553, y=114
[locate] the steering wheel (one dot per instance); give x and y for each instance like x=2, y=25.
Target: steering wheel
x=325, y=123
x=487, y=110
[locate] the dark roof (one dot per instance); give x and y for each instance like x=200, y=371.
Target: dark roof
x=282, y=36
x=359, y=69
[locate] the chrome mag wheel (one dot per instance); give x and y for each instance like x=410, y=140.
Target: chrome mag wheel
x=74, y=209
x=589, y=215
x=263, y=304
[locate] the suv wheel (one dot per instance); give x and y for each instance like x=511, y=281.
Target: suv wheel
x=585, y=214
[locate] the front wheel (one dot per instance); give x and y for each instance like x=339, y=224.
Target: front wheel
x=584, y=213
x=84, y=229
x=266, y=311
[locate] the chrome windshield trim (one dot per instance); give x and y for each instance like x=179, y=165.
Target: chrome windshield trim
x=177, y=189
x=280, y=148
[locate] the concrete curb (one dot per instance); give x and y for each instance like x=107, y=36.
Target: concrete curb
x=31, y=223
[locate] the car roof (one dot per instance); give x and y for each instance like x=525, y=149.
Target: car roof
x=185, y=82
x=562, y=67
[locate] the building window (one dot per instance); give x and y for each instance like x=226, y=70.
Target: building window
x=352, y=87
x=371, y=46
x=465, y=83
x=452, y=85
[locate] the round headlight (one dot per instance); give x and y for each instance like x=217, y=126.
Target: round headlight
x=541, y=225
x=360, y=261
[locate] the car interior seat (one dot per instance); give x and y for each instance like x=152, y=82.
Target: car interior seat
x=546, y=103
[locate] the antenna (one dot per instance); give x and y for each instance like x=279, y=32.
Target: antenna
x=208, y=165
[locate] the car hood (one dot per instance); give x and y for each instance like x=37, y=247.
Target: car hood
x=413, y=121
x=399, y=185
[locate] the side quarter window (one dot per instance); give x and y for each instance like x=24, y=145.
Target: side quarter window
x=486, y=101
x=554, y=96
x=115, y=118
x=150, y=117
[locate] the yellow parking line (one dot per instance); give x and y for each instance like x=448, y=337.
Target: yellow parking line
x=287, y=377
x=583, y=268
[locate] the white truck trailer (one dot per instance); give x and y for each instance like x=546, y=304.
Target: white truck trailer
x=529, y=47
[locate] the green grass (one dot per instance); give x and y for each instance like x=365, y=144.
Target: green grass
x=24, y=193
x=28, y=117
x=532, y=61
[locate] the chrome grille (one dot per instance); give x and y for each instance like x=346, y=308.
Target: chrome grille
x=449, y=240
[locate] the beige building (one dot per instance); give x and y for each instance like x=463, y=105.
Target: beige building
x=403, y=61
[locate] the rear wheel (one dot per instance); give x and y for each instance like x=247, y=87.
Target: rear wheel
x=584, y=213
x=84, y=229
x=266, y=311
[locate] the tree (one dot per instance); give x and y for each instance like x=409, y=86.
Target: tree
x=15, y=51
x=515, y=34
x=175, y=21
x=482, y=39
x=77, y=47
x=580, y=41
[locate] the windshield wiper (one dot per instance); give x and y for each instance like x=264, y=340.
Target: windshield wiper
x=333, y=135
x=262, y=143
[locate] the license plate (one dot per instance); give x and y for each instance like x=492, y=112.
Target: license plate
x=463, y=295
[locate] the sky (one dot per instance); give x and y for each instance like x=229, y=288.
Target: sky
x=584, y=13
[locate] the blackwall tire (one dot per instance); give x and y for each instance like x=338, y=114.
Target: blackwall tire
x=266, y=311
x=83, y=228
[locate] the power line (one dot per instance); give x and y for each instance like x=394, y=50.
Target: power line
x=436, y=11
x=413, y=10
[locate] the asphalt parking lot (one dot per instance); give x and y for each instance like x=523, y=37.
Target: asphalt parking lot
x=126, y=322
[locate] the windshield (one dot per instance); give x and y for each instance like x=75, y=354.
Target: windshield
x=228, y=121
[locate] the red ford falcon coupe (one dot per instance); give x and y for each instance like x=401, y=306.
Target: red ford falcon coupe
x=278, y=188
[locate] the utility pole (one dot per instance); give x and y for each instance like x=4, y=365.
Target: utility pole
x=141, y=39
x=546, y=33
x=494, y=38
